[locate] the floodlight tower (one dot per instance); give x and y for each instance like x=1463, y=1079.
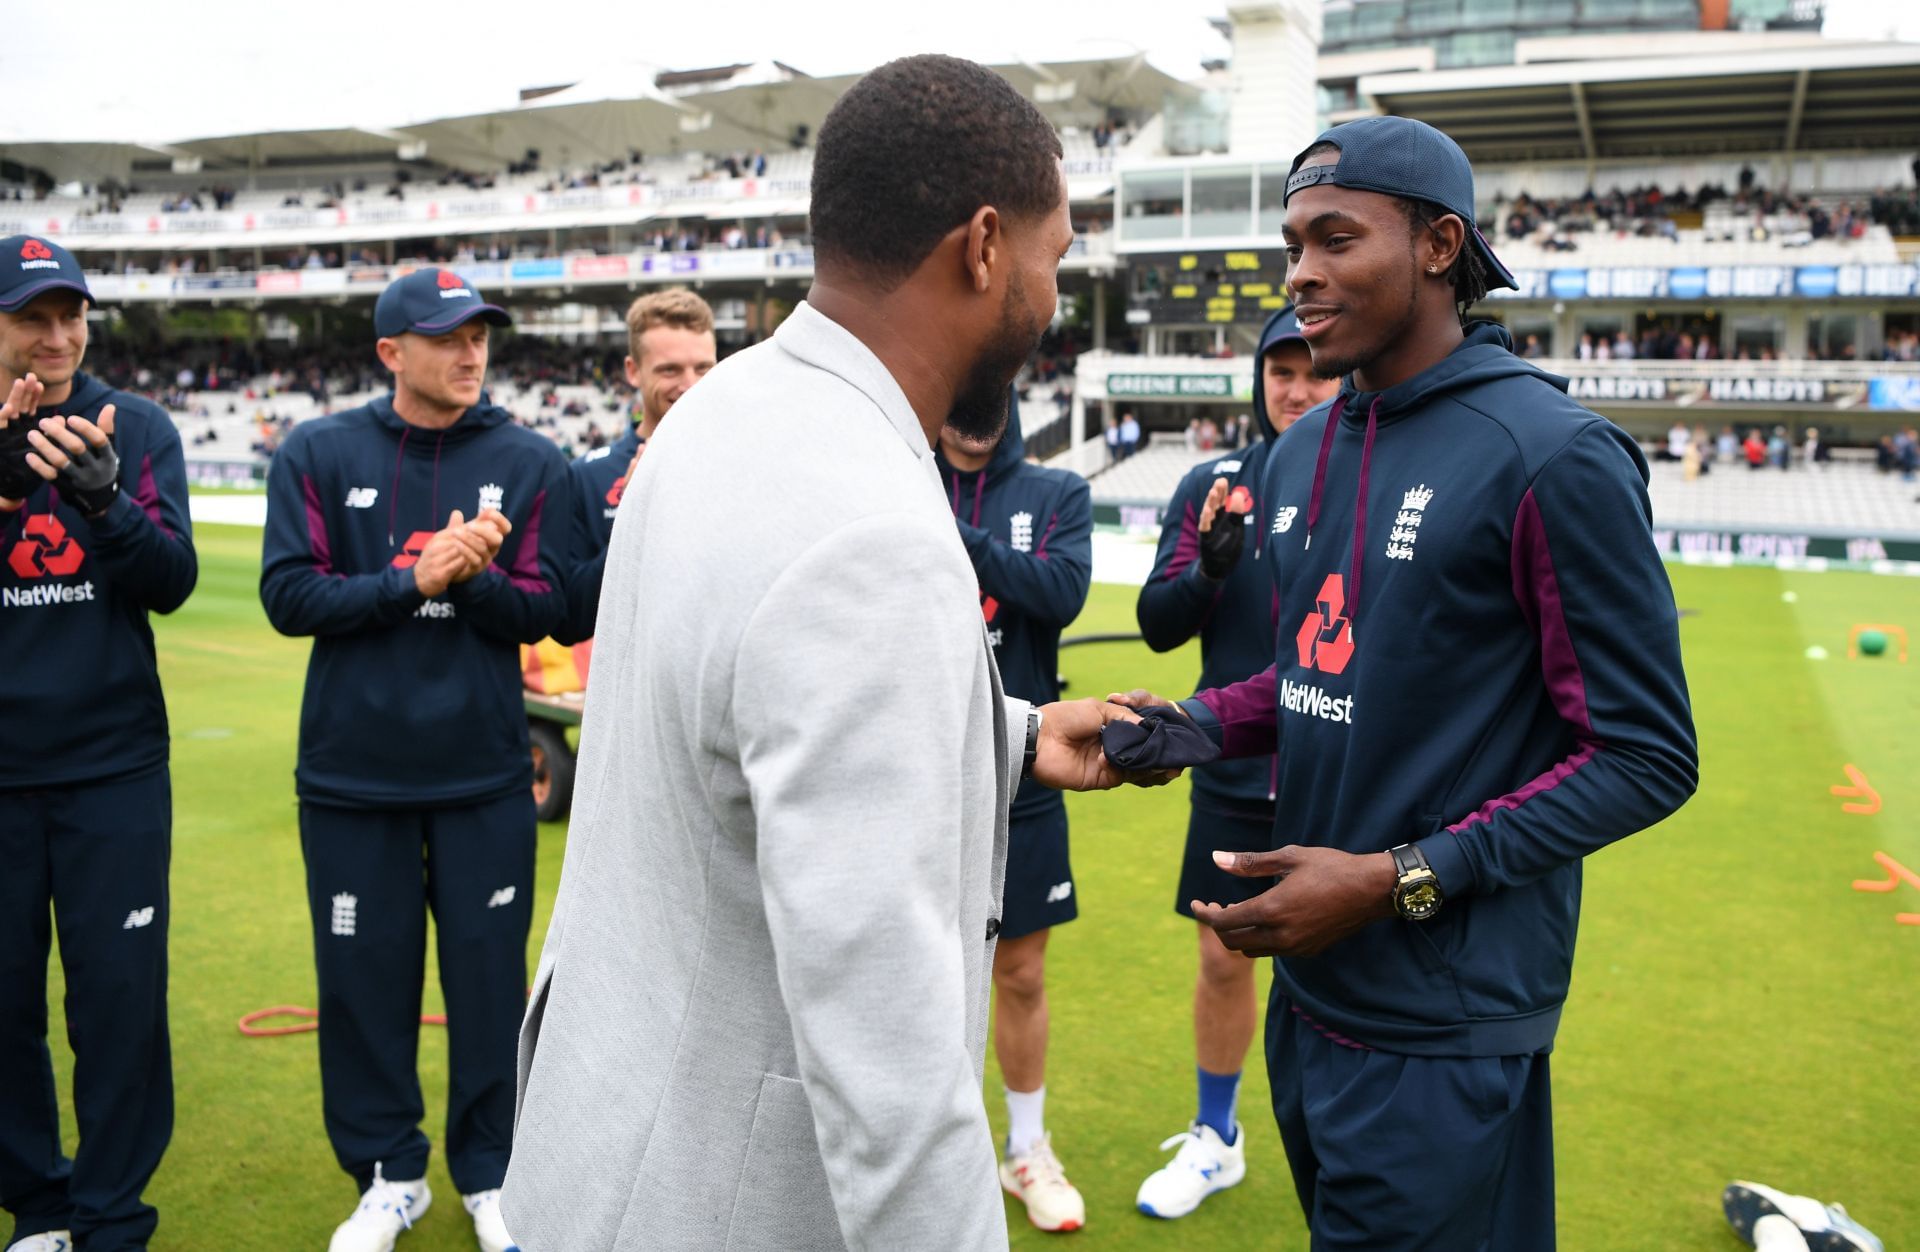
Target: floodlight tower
x=1276, y=49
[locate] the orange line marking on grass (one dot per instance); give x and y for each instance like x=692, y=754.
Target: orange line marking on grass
x=1870, y=802
x=1853, y=638
x=1896, y=874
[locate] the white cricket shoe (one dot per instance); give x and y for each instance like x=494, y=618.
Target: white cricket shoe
x=1037, y=1181
x=1827, y=1227
x=488, y=1226
x=386, y=1208
x=1203, y=1166
x=50, y=1241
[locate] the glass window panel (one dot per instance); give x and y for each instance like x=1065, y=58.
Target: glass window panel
x=1222, y=201
x=1155, y=205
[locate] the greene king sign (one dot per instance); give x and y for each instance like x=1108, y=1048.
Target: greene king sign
x=1180, y=386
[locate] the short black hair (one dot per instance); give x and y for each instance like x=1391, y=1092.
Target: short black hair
x=914, y=149
x=1468, y=273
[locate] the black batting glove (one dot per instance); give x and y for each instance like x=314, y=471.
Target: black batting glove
x=90, y=480
x=17, y=479
x=1220, y=544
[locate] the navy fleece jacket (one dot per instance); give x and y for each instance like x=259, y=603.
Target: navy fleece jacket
x=410, y=702
x=1029, y=530
x=82, y=700
x=1235, y=617
x=598, y=480
x=1478, y=653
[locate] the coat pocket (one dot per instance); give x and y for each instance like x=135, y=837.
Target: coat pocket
x=782, y=1203
x=530, y=1033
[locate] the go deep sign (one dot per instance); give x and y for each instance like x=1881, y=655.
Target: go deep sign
x=1179, y=386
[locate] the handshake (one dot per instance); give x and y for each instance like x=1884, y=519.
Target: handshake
x=1094, y=745
x=460, y=551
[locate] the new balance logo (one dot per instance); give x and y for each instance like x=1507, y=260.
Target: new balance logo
x=1059, y=891
x=362, y=497
x=345, y=914
x=502, y=897
x=1283, y=520
x=138, y=918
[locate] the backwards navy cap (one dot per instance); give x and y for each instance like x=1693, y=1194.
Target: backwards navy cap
x=1399, y=156
x=431, y=302
x=30, y=265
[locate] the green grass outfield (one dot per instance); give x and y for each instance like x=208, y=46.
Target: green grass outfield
x=1738, y=1010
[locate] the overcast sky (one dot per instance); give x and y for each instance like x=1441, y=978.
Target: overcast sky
x=136, y=70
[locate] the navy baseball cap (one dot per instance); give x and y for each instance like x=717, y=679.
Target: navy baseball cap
x=1282, y=327
x=30, y=265
x=431, y=302
x=1398, y=156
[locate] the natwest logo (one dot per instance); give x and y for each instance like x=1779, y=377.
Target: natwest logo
x=409, y=554
x=35, y=255
x=1325, y=639
x=45, y=548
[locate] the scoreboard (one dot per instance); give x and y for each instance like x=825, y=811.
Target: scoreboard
x=1201, y=287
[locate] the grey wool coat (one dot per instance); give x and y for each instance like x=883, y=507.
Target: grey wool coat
x=759, y=1018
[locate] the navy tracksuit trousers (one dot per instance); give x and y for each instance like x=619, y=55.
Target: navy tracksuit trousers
x=1398, y=1153
x=372, y=875
x=97, y=853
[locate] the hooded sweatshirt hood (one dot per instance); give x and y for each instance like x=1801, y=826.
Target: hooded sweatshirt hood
x=1281, y=327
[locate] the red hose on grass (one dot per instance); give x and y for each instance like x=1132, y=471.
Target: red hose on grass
x=312, y=1022
x=249, y=1028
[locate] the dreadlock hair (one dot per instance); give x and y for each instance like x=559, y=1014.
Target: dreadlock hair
x=1468, y=273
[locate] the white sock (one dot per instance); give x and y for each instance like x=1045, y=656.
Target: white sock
x=1774, y=1233
x=1026, y=1120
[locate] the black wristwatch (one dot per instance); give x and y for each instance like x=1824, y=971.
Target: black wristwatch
x=1416, y=888
x=1033, y=743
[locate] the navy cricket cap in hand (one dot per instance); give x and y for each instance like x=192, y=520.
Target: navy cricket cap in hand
x=431, y=302
x=30, y=265
x=1398, y=156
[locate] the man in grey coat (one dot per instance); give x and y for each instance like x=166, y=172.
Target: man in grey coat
x=760, y=1016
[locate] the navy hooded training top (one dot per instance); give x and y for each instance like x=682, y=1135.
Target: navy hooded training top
x=1479, y=653
x=1029, y=530
x=1235, y=617
x=598, y=480
x=82, y=701
x=410, y=702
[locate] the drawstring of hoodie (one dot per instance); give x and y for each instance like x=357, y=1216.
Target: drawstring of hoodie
x=393, y=494
x=979, y=487
x=433, y=518
x=1360, y=502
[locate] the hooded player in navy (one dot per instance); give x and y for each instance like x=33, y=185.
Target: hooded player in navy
x=93, y=537
x=670, y=347
x=1029, y=531
x=1210, y=579
x=1478, y=683
x=415, y=539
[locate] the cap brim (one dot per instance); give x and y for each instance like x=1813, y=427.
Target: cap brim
x=16, y=300
x=492, y=312
x=1497, y=273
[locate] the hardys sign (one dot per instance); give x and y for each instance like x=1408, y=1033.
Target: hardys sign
x=1732, y=391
